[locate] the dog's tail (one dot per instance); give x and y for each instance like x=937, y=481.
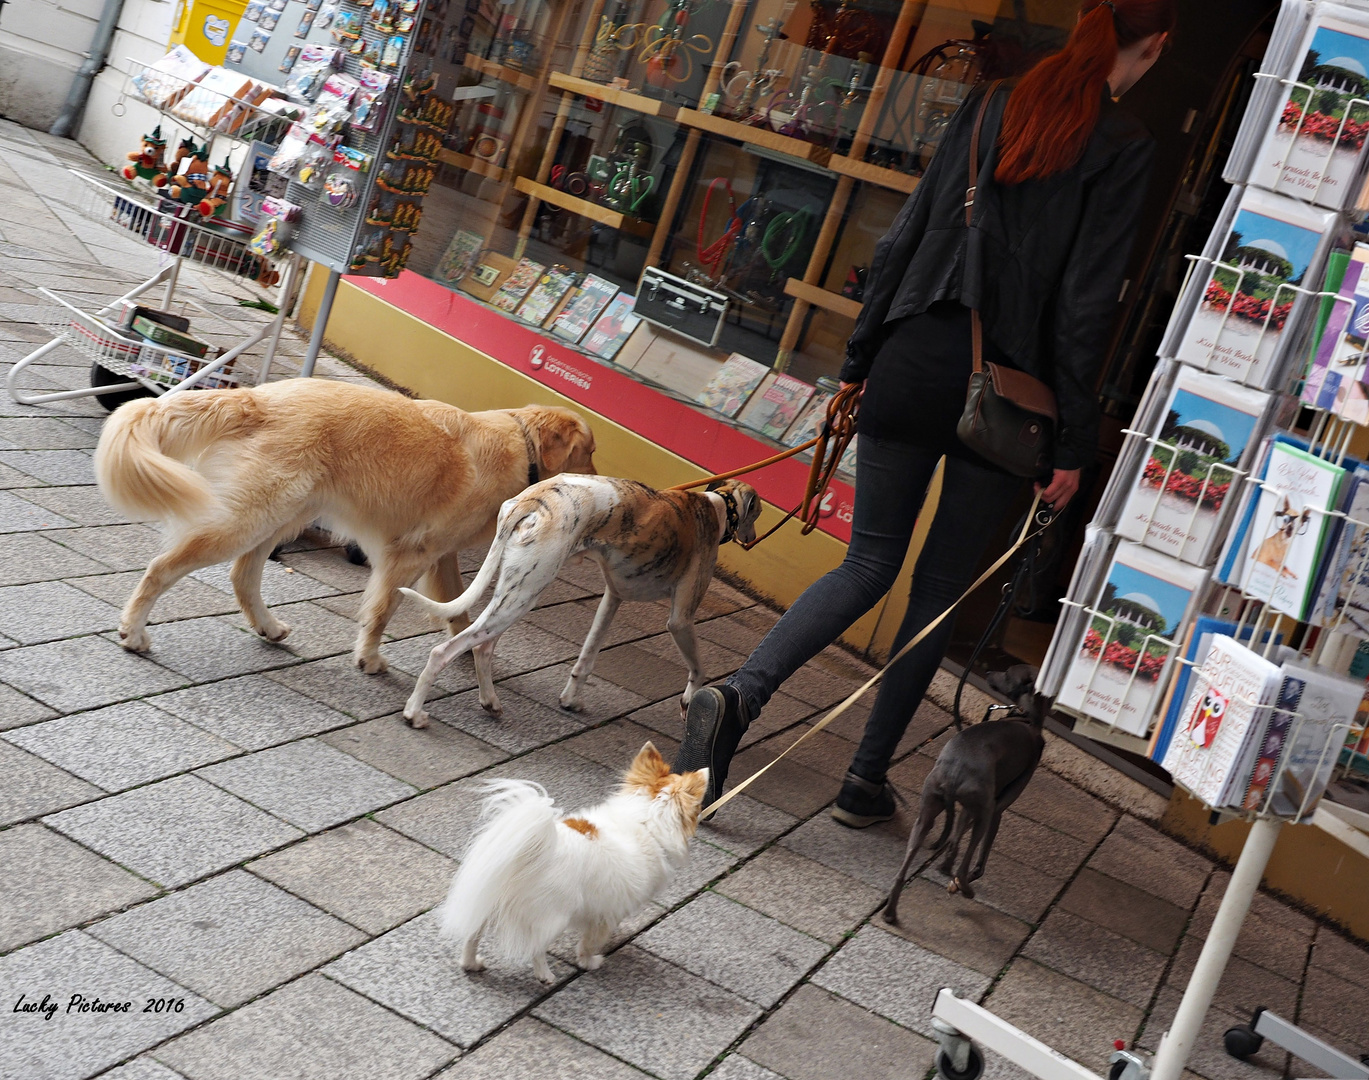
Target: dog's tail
x=140, y=460
x=476, y=589
x=501, y=885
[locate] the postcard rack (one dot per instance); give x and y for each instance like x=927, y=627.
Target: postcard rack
x=123, y=362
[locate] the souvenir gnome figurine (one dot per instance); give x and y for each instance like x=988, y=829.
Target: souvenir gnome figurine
x=146, y=162
x=193, y=183
x=216, y=199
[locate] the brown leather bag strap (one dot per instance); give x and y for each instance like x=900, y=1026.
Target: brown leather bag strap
x=976, y=330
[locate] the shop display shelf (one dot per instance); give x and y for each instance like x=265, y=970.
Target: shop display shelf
x=770, y=140
x=240, y=120
x=479, y=166
x=873, y=174
x=823, y=298
x=626, y=98
x=515, y=76
x=583, y=207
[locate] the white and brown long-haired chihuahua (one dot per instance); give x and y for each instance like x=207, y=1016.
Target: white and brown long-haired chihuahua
x=531, y=872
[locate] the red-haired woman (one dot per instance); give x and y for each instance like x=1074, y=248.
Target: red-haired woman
x=1062, y=175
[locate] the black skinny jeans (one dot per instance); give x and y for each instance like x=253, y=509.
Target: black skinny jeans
x=891, y=485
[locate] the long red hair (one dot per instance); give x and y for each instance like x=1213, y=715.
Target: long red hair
x=1053, y=110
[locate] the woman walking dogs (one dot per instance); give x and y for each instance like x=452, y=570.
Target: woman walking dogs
x=1061, y=175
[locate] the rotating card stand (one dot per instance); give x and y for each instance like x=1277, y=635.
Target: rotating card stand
x=241, y=119
x=1294, y=84
x=140, y=363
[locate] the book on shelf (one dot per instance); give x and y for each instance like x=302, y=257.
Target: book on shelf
x=581, y=311
x=1246, y=313
x=517, y=285
x=612, y=329
x=1287, y=533
x=1313, y=145
x=1312, y=742
x=552, y=285
x=1222, y=722
x=1203, y=441
x=732, y=384
x=776, y=405
x=462, y=250
x=1335, y=380
x=1121, y=649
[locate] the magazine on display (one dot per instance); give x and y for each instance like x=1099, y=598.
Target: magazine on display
x=809, y=422
x=462, y=251
x=732, y=384
x=584, y=308
x=1247, y=321
x=1313, y=147
x=1289, y=29
x=1205, y=437
x=1121, y=649
x=551, y=286
x=776, y=405
x=1312, y=744
x=1222, y=722
x=613, y=328
x=519, y=282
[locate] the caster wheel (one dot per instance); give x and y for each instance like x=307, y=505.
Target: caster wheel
x=973, y=1067
x=102, y=376
x=1118, y=1068
x=1241, y=1042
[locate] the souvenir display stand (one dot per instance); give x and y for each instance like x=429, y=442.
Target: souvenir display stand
x=1218, y=617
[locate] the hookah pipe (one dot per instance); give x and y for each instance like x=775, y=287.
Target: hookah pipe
x=762, y=77
x=663, y=54
x=853, y=92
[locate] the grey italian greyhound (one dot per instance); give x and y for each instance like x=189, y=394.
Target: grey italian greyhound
x=983, y=768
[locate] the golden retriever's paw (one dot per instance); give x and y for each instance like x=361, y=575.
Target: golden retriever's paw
x=374, y=664
x=135, y=640
x=275, y=630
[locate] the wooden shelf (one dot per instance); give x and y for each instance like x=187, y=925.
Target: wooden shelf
x=873, y=174
x=783, y=144
x=479, y=166
x=583, y=207
x=626, y=98
x=828, y=301
x=520, y=79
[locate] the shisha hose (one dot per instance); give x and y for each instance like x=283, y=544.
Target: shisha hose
x=711, y=256
x=779, y=225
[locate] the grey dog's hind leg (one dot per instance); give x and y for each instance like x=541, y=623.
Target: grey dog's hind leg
x=932, y=804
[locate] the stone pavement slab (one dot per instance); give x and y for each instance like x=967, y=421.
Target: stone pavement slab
x=969, y=933
x=802, y=894
x=530, y=1050
x=213, y=648
x=252, y=711
x=22, y=515
x=364, y=873
x=117, y=547
x=1097, y=957
x=524, y=725
x=143, y=1068
x=187, y=599
x=18, y=709
x=108, y=673
x=78, y=1044
x=230, y=938
x=324, y=1030
x=1125, y=909
x=1209, y=1058
x=337, y=683
x=27, y=557
x=424, y=758
x=30, y=787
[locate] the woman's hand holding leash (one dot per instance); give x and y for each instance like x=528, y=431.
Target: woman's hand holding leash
x=1057, y=494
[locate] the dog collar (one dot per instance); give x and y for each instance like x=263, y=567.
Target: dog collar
x=534, y=469
x=733, y=517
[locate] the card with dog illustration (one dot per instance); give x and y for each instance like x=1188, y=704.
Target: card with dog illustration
x=732, y=384
x=584, y=308
x=1222, y=721
x=774, y=407
x=1314, y=146
x=1288, y=530
x=613, y=328
x=1123, y=647
x=546, y=294
x=1201, y=444
x=1245, y=326
x=518, y=284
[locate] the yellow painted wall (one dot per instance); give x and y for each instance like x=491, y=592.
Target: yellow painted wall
x=433, y=364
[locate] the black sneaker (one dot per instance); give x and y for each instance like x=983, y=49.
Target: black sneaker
x=862, y=802
x=714, y=725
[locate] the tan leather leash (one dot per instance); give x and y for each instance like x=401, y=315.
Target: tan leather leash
x=838, y=429
x=1022, y=538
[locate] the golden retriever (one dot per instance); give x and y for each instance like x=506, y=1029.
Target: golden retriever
x=236, y=472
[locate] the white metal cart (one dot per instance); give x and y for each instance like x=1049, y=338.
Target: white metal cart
x=123, y=362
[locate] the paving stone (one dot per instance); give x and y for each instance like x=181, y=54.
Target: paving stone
x=307, y=783
x=801, y=893
x=1341, y=957
x=52, y=466
x=47, y=610
x=417, y=974
x=411, y=655
x=644, y=673
x=1334, y=1004
x=331, y=567
x=27, y=557
x=230, y=938
x=1138, y=855
x=1059, y=804
x=599, y=698
x=108, y=673
x=143, y=1068
x=734, y=947
x=78, y=1044
x=424, y=758
x=969, y=932
x=615, y=744
x=715, y=660
x=363, y=872
x=1077, y=1020
x=187, y=599
x=816, y=1035
x=1125, y=909
x=174, y=831
x=253, y=712
x=277, y=585
x=566, y=945
x=42, y=433
x=523, y=725
x=13, y=478
x=23, y=515
x=1010, y=887
x=748, y=826
x=1055, y=854
x=573, y=622
x=338, y=683
x=1244, y=986
x=789, y=786
x=212, y=648
x=1209, y=1058
x=736, y=1067
x=870, y=855
x=706, y=864
x=650, y=1013
x=896, y=978
x=123, y=745
x=824, y=753
x=62, y=507
x=51, y=884
x=315, y=632
x=324, y=1030
x=30, y=787
x=1099, y=958
x=781, y=713
x=530, y=1050
x=116, y=547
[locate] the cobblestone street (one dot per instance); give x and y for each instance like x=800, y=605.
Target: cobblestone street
x=250, y=831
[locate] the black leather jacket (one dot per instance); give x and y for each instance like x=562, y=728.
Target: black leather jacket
x=1043, y=263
